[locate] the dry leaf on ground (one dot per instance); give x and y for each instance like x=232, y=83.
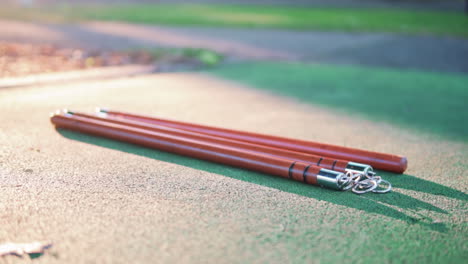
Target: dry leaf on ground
x=20, y=249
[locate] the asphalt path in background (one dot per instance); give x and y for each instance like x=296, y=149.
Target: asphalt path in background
x=431, y=53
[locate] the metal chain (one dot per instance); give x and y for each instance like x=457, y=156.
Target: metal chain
x=360, y=183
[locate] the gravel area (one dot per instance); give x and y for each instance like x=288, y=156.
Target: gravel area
x=22, y=59
x=19, y=59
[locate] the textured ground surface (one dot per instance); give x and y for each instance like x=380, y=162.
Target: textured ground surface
x=387, y=50
x=102, y=201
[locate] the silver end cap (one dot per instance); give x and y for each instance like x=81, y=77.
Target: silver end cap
x=329, y=179
x=359, y=168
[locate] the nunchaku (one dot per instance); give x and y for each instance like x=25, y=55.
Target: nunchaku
x=325, y=165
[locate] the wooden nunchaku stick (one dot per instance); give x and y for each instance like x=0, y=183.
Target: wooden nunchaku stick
x=362, y=177
x=383, y=161
x=238, y=157
x=327, y=163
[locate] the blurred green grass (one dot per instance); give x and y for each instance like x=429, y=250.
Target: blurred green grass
x=433, y=103
x=330, y=19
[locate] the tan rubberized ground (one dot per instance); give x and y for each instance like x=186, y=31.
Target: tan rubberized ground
x=106, y=203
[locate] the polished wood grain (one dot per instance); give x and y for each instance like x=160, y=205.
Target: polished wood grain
x=327, y=163
x=282, y=167
x=377, y=160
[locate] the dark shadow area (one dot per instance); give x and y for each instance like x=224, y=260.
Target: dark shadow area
x=409, y=182
x=370, y=203
x=425, y=101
